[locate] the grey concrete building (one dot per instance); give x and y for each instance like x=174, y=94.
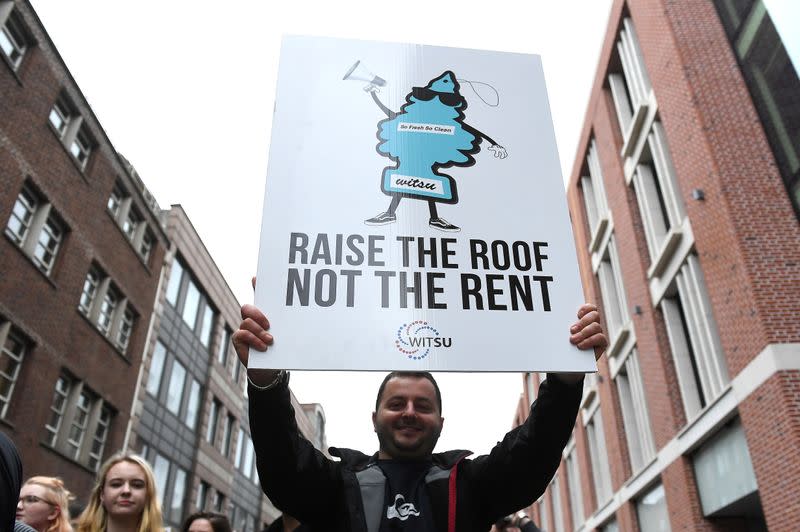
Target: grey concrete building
x=190, y=415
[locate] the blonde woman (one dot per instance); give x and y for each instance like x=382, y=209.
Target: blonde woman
x=124, y=498
x=44, y=505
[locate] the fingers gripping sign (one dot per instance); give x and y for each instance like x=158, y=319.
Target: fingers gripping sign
x=253, y=333
x=587, y=332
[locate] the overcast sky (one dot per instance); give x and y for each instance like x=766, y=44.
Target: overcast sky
x=185, y=89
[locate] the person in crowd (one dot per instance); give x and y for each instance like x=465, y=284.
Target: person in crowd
x=206, y=522
x=10, y=481
x=405, y=486
x=124, y=499
x=44, y=504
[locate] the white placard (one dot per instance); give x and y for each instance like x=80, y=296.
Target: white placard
x=414, y=213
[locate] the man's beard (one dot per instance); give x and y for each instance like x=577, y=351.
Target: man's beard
x=422, y=448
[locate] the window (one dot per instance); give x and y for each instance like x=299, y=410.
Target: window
x=696, y=350
x=57, y=409
x=35, y=227
x=118, y=195
x=81, y=147
x=207, y=325
x=762, y=35
x=634, y=412
x=651, y=510
x=125, y=329
x=13, y=351
x=219, y=501
x=190, y=301
x=202, y=495
x=660, y=204
x=213, y=418
x=613, y=295
x=79, y=422
x=227, y=435
x=574, y=484
x=131, y=224
x=161, y=472
x=146, y=246
x=193, y=405
x=14, y=39
x=629, y=84
x=558, y=516
x=594, y=197
x=178, y=494
x=175, y=390
x=99, y=441
x=726, y=482
x=191, y=304
x=89, y=290
x=543, y=517
x=59, y=117
x=237, y=461
x=156, y=369
x=224, y=345
x=601, y=474
x=130, y=220
x=174, y=286
x=248, y=464
x=105, y=306
x=71, y=128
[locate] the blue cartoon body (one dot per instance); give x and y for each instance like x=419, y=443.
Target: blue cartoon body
x=427, y=135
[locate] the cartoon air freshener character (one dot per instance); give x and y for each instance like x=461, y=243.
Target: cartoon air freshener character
x=427, y=135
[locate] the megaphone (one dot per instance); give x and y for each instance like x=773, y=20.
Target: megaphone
x=359, y=72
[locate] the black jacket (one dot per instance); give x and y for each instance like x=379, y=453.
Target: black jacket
x=348, y=495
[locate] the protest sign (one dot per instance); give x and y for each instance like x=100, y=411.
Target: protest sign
x=414, y=214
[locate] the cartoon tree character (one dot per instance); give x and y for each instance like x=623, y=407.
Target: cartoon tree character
x=427, y=135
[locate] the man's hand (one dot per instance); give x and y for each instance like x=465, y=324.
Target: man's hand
x=586, y=333
x=253, y=333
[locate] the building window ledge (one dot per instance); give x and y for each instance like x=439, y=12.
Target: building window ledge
x=717, y=412
x=642, y=471
x=635, y=127
x=616, y=344
x=668, y=248
x=597, y=234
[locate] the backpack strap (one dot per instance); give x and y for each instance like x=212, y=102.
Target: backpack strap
x=452, y=496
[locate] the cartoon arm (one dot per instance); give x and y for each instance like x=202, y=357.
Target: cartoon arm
x=391, y=114
x=499, y=151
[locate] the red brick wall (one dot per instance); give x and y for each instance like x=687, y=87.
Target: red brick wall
x=44, y=308
x=747, y=239
x=771, y=420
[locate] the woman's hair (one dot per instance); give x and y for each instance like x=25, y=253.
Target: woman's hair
x=219, y=523
x=58, y=496
x=94, y=518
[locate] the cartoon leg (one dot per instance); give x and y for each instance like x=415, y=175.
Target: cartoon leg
x=387, y=217
x=440, y=223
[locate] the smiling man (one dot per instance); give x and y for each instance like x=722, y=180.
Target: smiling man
x=405, y=486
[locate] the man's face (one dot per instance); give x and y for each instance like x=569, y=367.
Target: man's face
x=408, y=422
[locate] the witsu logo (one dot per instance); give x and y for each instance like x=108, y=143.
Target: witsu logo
x=416, y=339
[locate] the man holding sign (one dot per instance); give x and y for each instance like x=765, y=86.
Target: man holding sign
x=405, y=486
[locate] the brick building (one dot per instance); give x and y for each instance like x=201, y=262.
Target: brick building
x=80, y=257
x=93, y=274
x=684, y=200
